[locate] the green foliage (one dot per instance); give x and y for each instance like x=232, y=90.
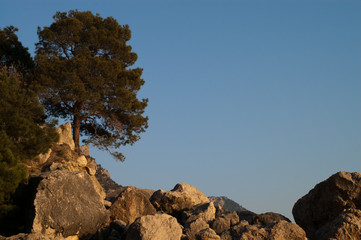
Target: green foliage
x=12, y=52
x=22, y=118
x=84, y=65
x=12, y=173
x=23, y=135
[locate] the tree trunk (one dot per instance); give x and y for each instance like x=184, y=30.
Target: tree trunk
x=76, y=125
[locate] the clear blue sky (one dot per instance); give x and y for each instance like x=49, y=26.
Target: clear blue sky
x=256, y=100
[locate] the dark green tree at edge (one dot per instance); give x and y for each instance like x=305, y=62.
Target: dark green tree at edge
x=24, y=134
x=84, y=65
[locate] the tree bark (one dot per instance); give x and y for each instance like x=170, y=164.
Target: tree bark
x=76, y=125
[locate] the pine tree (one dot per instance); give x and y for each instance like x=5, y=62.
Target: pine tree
x=84, y=65
x=24, y=134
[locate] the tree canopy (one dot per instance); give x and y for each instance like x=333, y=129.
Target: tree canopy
x=12, y=53
x=84, y=65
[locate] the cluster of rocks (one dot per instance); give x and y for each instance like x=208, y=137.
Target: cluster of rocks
x=70, y=197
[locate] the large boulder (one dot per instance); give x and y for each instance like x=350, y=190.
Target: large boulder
x=224, y=222
x=205, y=211
x=327, y=200
x=155, y=227
x=346, y=226
x=67, y=203
x=182, y=197
x=131, y=204
x=194, y=227
x=207, y=234
x=281, y=230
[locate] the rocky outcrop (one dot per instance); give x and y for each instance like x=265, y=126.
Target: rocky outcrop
x=281, y=230
x=207, y=234
x=194, y=227
x=131, y=204
x=155, y=227
x=327, y=200
x=65, y=135
x=182, y=197
x=67, y=203
x=111, y=188
x=267, y=218
x=346, y=226
x=224, y=222
x=206, y=212
x=226, y=204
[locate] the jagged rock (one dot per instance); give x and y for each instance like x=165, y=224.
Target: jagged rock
x=155, y=227
x=205, y=211
x=346, y=226
x=281, y=230
x=207, y=234
x=192, y=228
x=225, y=222
x=182, y=197
x=111, y=188
x=129, y=205
x=65, y=135
x=327, y=200
x=44, y=157
x=247, y=216
x=67, y=203
x=82, y=161
x=84, y=150
x=226, y=204
x=269, y=217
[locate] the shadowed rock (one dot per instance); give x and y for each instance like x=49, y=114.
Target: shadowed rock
x=327, y=200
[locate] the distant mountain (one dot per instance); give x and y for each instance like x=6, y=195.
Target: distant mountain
x=227, y=204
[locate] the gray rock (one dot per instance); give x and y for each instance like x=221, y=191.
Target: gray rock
x=67, y=203
x=182, y=197
x=327, y=200
x=131, y=204
x=111, y=188
x=155, y=227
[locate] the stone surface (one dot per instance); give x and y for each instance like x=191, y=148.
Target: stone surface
x=84, y=150
x=327, y=200
x=182, y=197
x=346, y=226
x=206, y=212
x=67, y=203
x=281, y=230
x=207, y=234
x=131, y=204
x=82, y=161
x=111, y=188
x=155, y=227
x=267, y=218
x=225, y=222
x=192, y=228
x=65, y=135
x=226, y=204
